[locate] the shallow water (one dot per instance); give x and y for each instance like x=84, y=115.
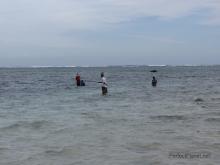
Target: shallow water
x=45, y=119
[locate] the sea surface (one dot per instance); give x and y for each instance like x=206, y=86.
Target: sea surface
x=46, y=120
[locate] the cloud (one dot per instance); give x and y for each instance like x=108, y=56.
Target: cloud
x=90, y=14
x=42, y=21
x=86, y=13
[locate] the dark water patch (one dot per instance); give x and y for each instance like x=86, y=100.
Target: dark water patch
x=213, y=120
x=211, y=105
x=53, y=152
x=216, y=145
x=12, y=126
x=2, y=149
x=24, y=124
x=168, y=117
x=120, y=121
x=143, y=148
x=68, y=88
x=198, y=100
x=167, y=131
x=216, y=92
x=59, y=152
x=183, y=138
x=41, y=80
x=2, y=116
x=90, y=98
x=153, y=122
x=38, y=124
x=107, y=119
x=211, y=114
x=147, y=159
x=24, y=83
x=215, y=99
x=4, y=84
x=61, y=131
x=204, y=106
x=84, y=113
x=91, y=115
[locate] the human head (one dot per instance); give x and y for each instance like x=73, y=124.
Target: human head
x=102, y=74
x=154, y=78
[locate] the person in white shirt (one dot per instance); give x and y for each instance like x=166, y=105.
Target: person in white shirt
x=104, y=84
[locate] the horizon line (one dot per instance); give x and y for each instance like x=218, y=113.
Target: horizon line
x=101, y=66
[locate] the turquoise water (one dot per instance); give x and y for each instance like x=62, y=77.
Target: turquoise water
x=46, y=119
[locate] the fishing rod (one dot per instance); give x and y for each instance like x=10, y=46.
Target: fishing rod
x=92, y=81
x=95, y=81
x=89, y=81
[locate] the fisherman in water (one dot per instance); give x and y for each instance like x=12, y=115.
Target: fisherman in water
x=154, y=82
x=104, y=84
x=78, y=82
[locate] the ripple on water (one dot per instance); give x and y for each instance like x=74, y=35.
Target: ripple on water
x=169, y=117
x=25, y=124
x=213, y=120
x=91, y=115
x=143, y=148
x=215, y=99
x=64, y=151
x=167, y=131
x=3, y=149
x=199, y=100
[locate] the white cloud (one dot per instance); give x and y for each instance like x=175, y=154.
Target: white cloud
x=87, y=13
x=92, y=13
x=40, y=20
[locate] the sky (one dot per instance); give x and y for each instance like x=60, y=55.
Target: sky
x=109, y=32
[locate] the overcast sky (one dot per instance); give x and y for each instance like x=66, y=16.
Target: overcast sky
x=109, y=32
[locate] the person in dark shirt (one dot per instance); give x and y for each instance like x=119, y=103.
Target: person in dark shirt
x=154, y=82
x=82, y=83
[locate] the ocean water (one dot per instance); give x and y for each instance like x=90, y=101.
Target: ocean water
x=46, y=120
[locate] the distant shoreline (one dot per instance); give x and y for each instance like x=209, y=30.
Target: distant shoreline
x=14, y=67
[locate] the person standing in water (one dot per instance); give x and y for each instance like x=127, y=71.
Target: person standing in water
x=154, y=82
x=77, y=78
x=104, y=84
